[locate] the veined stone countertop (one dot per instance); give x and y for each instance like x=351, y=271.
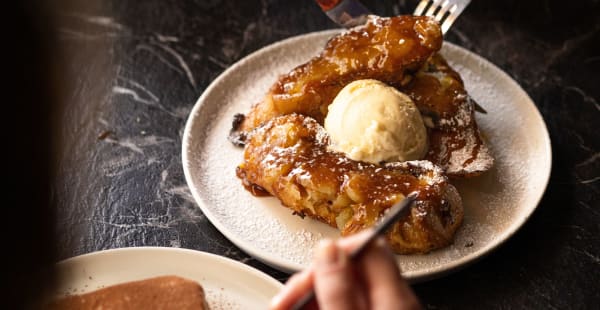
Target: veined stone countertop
x=138, y=67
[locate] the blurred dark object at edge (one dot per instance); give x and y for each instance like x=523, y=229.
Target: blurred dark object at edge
x=31, y=106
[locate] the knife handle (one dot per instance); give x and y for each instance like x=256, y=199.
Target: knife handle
x=327, y=5
x=346, y=13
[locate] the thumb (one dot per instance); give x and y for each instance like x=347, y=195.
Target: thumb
x=335, y=283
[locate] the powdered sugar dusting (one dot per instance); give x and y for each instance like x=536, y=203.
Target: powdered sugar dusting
x=436, y=176
x=218, y=299
x=258, y=222
x=496, y=203
x=462, y=160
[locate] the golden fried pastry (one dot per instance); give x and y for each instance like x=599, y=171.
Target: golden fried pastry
x=455, y=142
x=288, y=157
x=399, y=51
x=384, y=49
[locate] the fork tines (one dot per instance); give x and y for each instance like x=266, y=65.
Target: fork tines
x=443, y=11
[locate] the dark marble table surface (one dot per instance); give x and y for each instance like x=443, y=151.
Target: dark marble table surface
x=137, y=67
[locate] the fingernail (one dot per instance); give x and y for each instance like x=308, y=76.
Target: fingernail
x=327, y=253
x=276, y=300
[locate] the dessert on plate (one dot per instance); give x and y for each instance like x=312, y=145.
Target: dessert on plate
x=401, y=52
x=376, y=115
x=164, y=292
x=288, y=158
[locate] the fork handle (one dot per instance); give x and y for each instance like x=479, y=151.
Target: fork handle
x=346, y=13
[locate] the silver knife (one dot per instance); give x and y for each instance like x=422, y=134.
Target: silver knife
x=391, y=216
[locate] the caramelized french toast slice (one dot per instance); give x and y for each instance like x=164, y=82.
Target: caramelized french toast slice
x=385, y=49
x=455, y=142
x=400, y=51
x=288, y=158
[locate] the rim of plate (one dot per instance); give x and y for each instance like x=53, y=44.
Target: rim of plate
x=171, y=251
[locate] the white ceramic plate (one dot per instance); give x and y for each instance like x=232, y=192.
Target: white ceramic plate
x=228, y=284
x=496, y=203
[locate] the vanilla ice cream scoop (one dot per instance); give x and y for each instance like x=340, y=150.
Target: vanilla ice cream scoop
x=373, y=122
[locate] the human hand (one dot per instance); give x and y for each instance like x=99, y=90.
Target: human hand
x=372, y=281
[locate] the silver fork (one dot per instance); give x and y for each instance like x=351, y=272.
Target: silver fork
x=444, y=12
x=350, y=13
